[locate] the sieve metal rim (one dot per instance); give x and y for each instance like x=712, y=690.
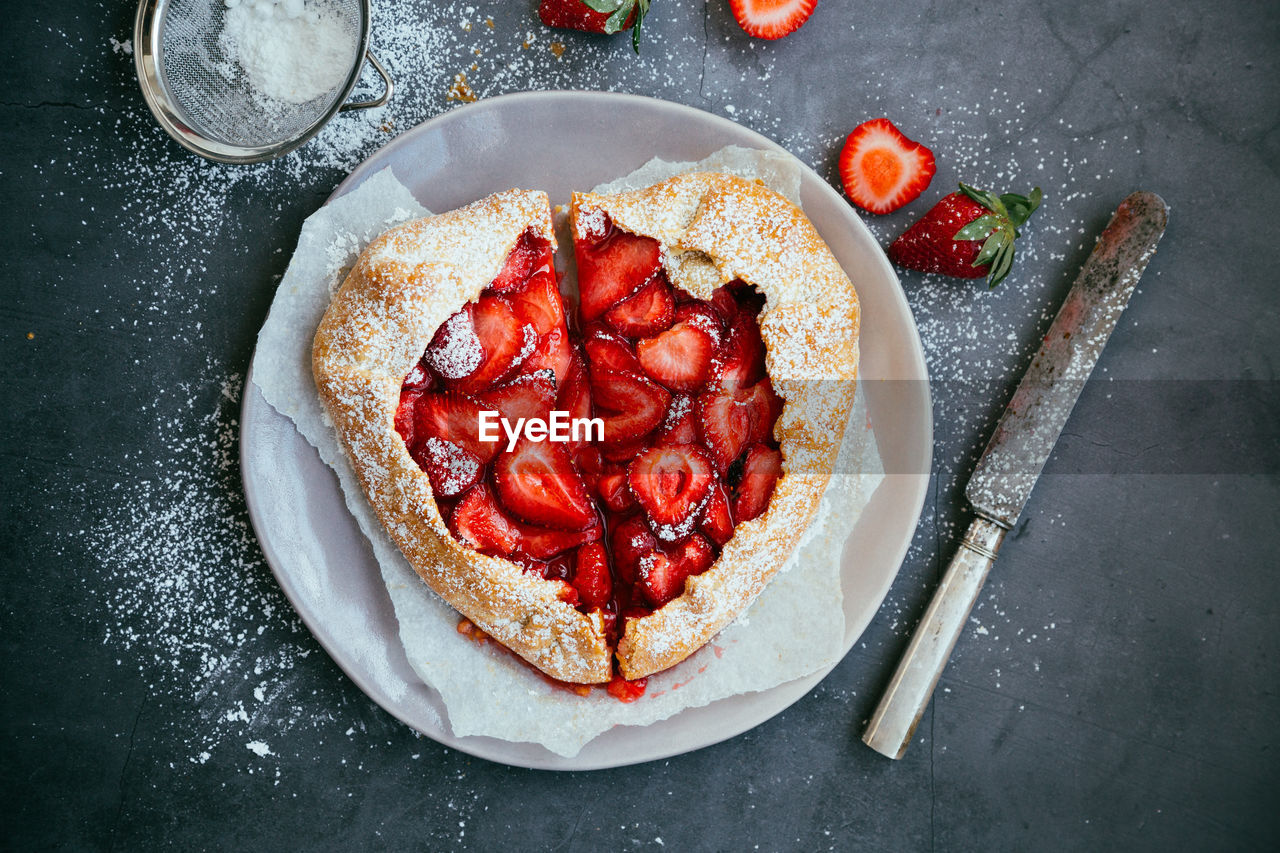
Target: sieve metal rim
x=146, y=56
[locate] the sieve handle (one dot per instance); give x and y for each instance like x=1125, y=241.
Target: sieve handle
x=388, y=87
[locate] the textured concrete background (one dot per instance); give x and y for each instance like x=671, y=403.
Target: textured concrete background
x=1117, y=686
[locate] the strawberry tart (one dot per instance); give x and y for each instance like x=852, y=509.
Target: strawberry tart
x=664, y=443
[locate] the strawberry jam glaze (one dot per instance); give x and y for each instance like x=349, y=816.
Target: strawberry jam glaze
x=679, y=384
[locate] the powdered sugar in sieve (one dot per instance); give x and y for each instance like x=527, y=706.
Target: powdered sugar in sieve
x=247, y=80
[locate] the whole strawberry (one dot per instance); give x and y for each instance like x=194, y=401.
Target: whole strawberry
x=596, y=16
x=968, y=234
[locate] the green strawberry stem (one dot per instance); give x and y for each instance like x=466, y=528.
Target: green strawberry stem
x=618, y=12
x=998, y=229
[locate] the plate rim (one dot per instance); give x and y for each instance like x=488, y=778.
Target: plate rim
x=488, y=747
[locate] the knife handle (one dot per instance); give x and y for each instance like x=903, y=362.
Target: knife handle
x=904, y=700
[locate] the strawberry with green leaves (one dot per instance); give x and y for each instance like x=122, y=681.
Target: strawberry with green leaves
x=596, y=16
x=969, y=234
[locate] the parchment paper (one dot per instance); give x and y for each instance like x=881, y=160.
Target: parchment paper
x=795, y=627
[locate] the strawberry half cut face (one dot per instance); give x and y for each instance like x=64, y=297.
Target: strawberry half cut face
x=626, y=517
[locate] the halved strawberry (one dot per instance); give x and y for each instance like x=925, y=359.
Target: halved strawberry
x=760, y=472
x=740, y=361
x=532, y=395
x=455, y=417
x=478, y=522
x=612, y=269
x=694, y=555
x=504, y=339
x=538, y=303
x=717, y=523
x=629, y=405
x=703, y=316
x=881, y=169
x=679, y=358
x=679, y=426
x=631, y=540
x=552, y=352
x=537, y=482
x=771, y=19
x=591, y=576
x=451, y=469
x=455, y=351
x=609, y=351
x=671, y=484
x=729, y=421
x=647, y=312
x=529, y=253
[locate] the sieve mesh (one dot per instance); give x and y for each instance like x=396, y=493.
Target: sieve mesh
x=215, y=96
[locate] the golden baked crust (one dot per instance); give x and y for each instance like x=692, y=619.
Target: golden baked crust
x=715, y=228
x=404, y=285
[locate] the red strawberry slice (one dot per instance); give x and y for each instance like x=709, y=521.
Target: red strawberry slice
x=405, y=415
x=648, y=312
x=717, y=523
x=661, y=576
x=608, y=351
x=529, y=253
x=881, y=169
x=538, y=303
x=451, y=469
x=740, y=361
x=630, y=406
x=532, y=395
x=552, y=353
x=614, y=491
x=624, y=452
x=680, y=426
x=574, y=393
x=631, y=540
x=679, y=358
x=671, y=485
x=541, y=543
x=455, y=351
x=724, y=302
x=729, y=421
x=537, y=482
x=771, y=19
x=626, y=691
x=591, y=576
x=760, y=472
x=612, y=269
x=418, y=378
x=478, y=522
x=454, y=417
x=694, y=555
x=702, y=316
x=506, y=342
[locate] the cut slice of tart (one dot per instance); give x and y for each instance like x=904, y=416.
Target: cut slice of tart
x=714, y=344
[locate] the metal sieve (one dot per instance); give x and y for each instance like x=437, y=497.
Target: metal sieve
x=203, y=98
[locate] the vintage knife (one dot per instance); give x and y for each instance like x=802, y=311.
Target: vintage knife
x=1016, y=454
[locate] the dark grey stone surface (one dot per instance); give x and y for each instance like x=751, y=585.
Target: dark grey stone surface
x=1117, y=689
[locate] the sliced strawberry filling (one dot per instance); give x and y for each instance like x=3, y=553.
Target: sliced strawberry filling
x=625, y=518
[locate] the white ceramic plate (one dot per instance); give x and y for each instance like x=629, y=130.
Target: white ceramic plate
x=557, y=142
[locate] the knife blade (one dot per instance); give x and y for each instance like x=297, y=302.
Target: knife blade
x=1016, y=453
